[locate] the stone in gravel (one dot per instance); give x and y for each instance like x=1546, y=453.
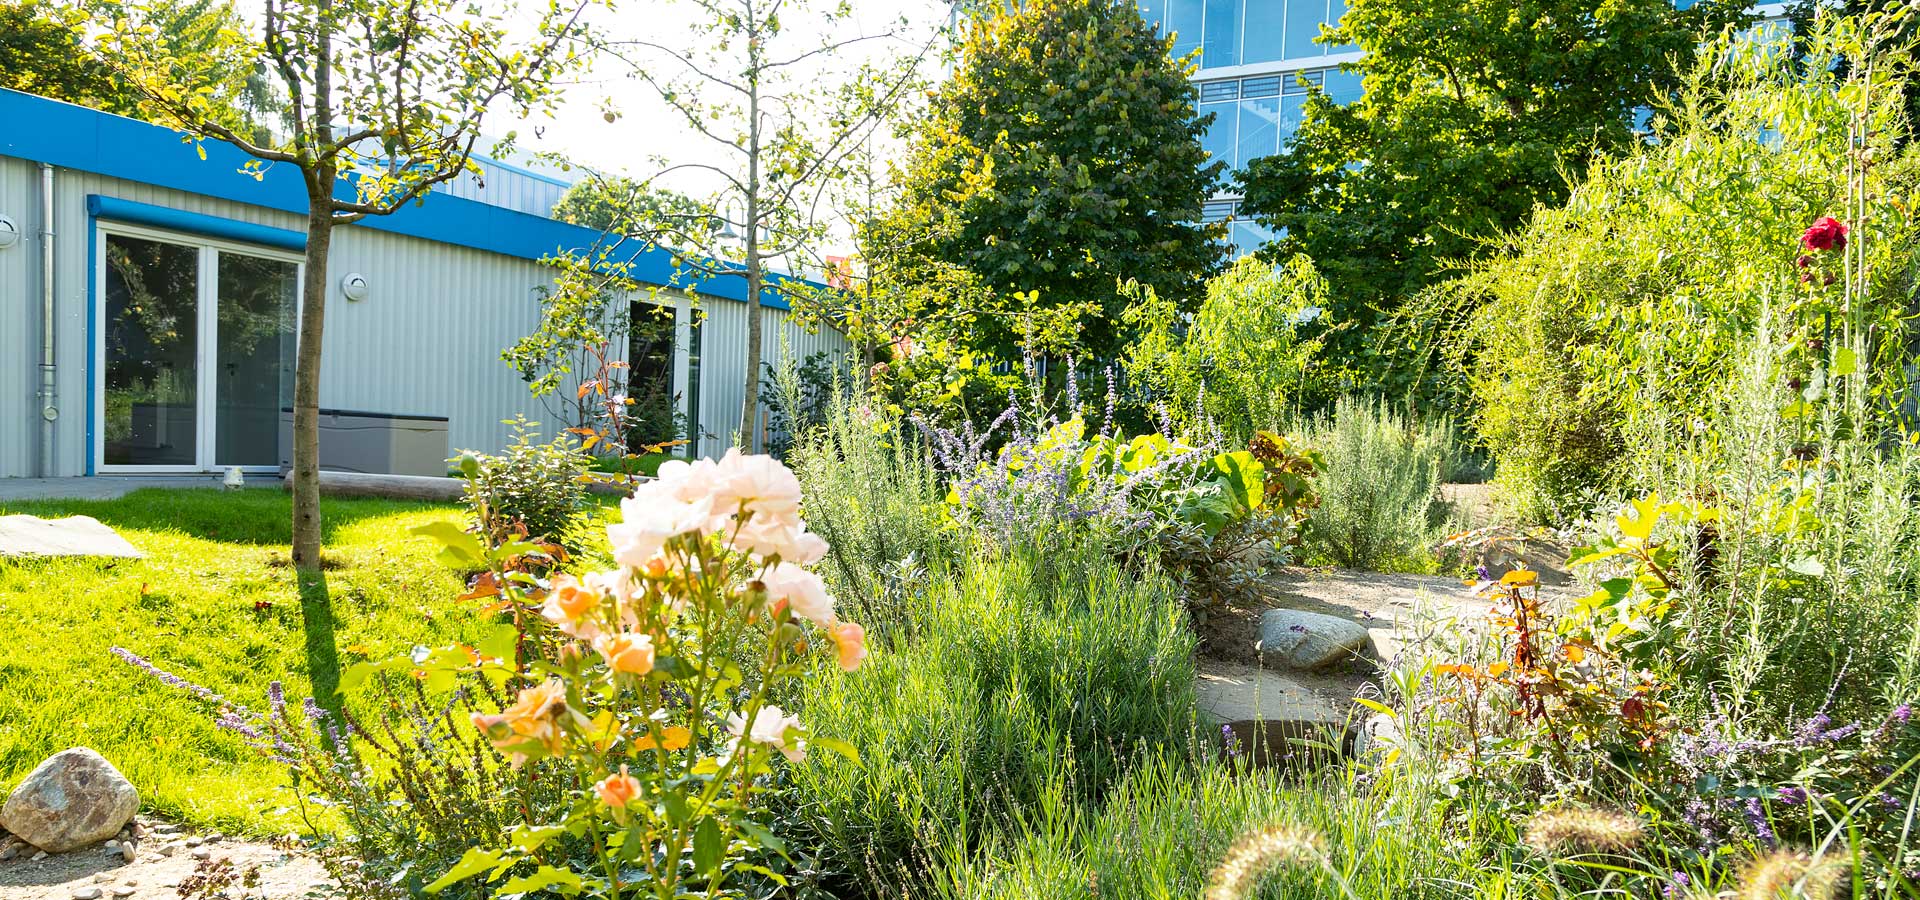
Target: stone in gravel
x=123, y=891
x=8, y=852
x=194, y=842
x=202, y=852
x=112, y=846
x=86, y=893
x=72, y=799
x=39, y=856
x=127, y=852
x=1295, y=639
x=169, y=849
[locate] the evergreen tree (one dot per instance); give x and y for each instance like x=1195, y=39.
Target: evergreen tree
x=1062, y=157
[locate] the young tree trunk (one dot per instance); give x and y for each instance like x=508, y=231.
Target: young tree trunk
x=306, y=383
x=750, y=406
x=756, y=274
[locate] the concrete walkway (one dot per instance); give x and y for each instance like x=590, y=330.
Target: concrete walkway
x=107, y=487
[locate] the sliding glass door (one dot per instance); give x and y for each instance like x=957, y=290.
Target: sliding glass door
x=197, y=352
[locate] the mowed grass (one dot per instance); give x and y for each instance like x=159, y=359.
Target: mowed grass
x=215, y=602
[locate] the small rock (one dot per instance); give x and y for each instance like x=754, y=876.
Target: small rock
x=1295, y=639
x=193, y=842
x=202, y=852
x=72, y=799
x=127, y=852
x=101, y=878
x=1379, y=734
x=39, y=856
x=169, y=849
x=123, y=891
x=111, y=846
x=8, y=852
x=86, y=893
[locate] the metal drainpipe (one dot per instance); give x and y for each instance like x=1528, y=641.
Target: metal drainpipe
x=49, y=409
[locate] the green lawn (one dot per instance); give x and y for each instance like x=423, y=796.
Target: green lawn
x=190, y=607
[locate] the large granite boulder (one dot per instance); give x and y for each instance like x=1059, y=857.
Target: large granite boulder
x=72, y=799
x=1295, y=639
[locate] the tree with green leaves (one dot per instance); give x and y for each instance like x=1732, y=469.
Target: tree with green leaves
x=1474, y=113
x=1061, y=158
x=45, y=50
x=385, y=99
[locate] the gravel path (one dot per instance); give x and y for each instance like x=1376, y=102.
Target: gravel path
x=166, y=856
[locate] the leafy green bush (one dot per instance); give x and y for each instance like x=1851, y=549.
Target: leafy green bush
x=531, y=489
x=1027, y=674
x=1378, y=486
x=1614, y=323
x=872, y=494
x=1244, y=361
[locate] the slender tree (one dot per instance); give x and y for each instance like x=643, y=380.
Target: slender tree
x=783, y=112
x=384, y=100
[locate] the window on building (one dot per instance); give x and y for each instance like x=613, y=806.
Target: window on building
x=1304, y=18
x=1185, y=19
x=655, y=416
x=1265, y=31
x=197, y=341
x=1334, y=13
x=693, y=384
x=1222, y=36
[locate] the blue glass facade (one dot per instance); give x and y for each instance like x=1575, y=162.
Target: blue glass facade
x=1246, y=32
x=1257, y=115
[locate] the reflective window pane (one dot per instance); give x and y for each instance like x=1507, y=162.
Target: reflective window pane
x=254, y=358
x=1222, y=45
x=1343, y=87
x=1184, y=18
x=1259, y=129
x=1151, y=10
x=1265, y=31
x=1338, y=9
x=1290, y=107
x=152, y=337
x=1220, y=137
x=1304, y=18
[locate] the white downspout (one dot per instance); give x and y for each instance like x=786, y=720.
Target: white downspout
x=49, y=408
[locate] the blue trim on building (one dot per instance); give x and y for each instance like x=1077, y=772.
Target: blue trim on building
x=93, y=332
x=74, y=137
x=194, y=223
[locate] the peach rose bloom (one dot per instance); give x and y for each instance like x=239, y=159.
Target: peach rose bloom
x=616, y=791
x=627, y=653
x=852, y=641
x=569, y=601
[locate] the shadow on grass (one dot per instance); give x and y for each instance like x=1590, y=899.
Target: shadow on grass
x=323, y=652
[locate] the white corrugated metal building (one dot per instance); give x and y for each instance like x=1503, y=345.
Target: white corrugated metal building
x=173, y=283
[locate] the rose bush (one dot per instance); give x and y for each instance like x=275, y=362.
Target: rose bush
x=649, y=683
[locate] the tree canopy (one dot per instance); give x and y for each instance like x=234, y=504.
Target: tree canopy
x=1060, y=158
x=1474, y=113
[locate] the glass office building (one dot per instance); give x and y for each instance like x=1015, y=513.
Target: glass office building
x=1258, y=62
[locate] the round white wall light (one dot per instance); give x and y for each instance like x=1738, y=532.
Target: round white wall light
x=354, y=286
x=9, y=233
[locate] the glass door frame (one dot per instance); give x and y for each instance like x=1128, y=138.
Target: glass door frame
x=207, y=340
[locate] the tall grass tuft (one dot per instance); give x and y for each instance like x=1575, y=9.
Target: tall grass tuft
x=1377, y=491
x=1030, y=678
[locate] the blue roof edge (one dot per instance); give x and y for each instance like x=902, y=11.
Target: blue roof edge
x=75, y=137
